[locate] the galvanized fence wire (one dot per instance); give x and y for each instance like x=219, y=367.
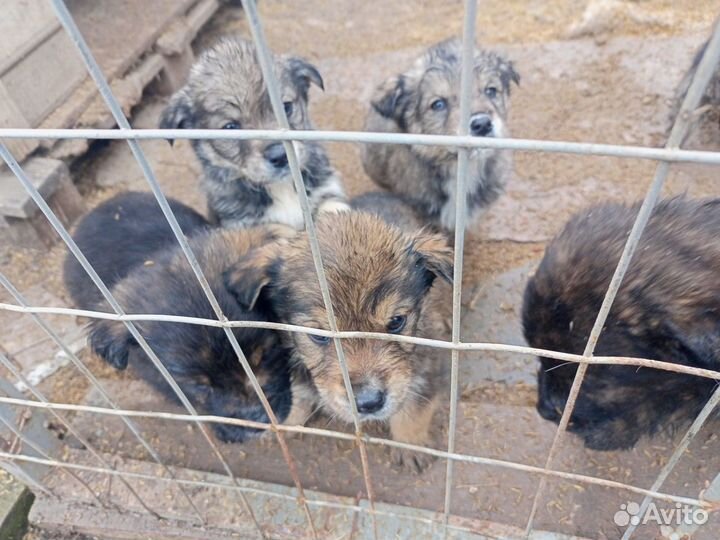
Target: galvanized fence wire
x=94, y=382
x=681, y=125
x=468, y=47
x=464, y=143
x=273, y=88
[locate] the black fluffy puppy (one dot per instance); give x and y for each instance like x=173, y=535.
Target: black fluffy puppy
x=668, y=308
x=119, y=235
x=200, y=358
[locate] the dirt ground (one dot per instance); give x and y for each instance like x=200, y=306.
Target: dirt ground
x=600, y=71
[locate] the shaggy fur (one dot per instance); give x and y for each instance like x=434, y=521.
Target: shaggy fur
x=249, y=182
x=379, y=279
x=425, y=99
x=668, y=308
x=119, y=235
x=392, y=208
x=200, y=358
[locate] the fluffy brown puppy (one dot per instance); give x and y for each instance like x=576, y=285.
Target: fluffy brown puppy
x=668, y=308
x=379, y=279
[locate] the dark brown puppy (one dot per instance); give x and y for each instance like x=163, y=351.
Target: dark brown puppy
x=425, y=99
x=118, y=235
x=200, y=358
x=379, y=279
x=668, y=308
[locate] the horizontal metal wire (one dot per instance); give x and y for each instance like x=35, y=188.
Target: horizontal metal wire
x=230, y=487
x=342, y=334
x=463, y=142
x=504, y=464
x=531, y=145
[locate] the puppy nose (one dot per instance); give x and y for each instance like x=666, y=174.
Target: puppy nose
x=547, y=410
x=481, y=125
x=369, y=400
x=275, y=155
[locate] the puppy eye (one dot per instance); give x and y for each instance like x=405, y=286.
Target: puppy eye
x=288, y=108
x=232, y=125
x=491, y=92
x=439, y=105
x=396, y=324
x=319, y=340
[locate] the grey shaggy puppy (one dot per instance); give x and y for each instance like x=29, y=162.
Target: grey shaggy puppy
x=249, y=182
x=393, y=209
x=425, y=99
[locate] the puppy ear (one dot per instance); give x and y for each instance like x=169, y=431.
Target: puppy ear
x=390, y=96
x=435, y=254
x=111, y=341
x=303, y=74
x=508, y=75
x=246, y=279
x=178, y=114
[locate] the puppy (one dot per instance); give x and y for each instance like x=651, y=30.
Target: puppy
x=668, y=308
x=711, y=96
x=200, y=358
x=249, y=182
x=119, y=235
x=379, y=279
x=394, y=209
x=425, y=99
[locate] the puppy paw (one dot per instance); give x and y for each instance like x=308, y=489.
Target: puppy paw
x=410, y=461
x=334, y=206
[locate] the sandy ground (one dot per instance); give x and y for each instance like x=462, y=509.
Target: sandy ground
x=605, y=78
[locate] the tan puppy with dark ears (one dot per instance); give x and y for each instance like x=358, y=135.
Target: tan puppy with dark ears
x=379, y=279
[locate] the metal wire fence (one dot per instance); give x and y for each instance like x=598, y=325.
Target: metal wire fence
x=665, y=156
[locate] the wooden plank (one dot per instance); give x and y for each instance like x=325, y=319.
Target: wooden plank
x=44, y=78
x=23, y=26
x=11, y=116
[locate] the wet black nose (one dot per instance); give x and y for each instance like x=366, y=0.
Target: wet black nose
x=369, y=400
x=481, y=125
x=275, y=155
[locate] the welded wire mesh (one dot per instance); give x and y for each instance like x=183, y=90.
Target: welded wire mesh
x=671, y=153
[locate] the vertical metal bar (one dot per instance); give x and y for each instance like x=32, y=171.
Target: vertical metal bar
x=95, y=72
x=468, y=54
x=61, y=418
x=96, y=384
x=705, y=71
x=266, y=65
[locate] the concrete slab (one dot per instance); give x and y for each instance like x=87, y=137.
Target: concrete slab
x=27, y=344
x=279, y=517
x=45, y=174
